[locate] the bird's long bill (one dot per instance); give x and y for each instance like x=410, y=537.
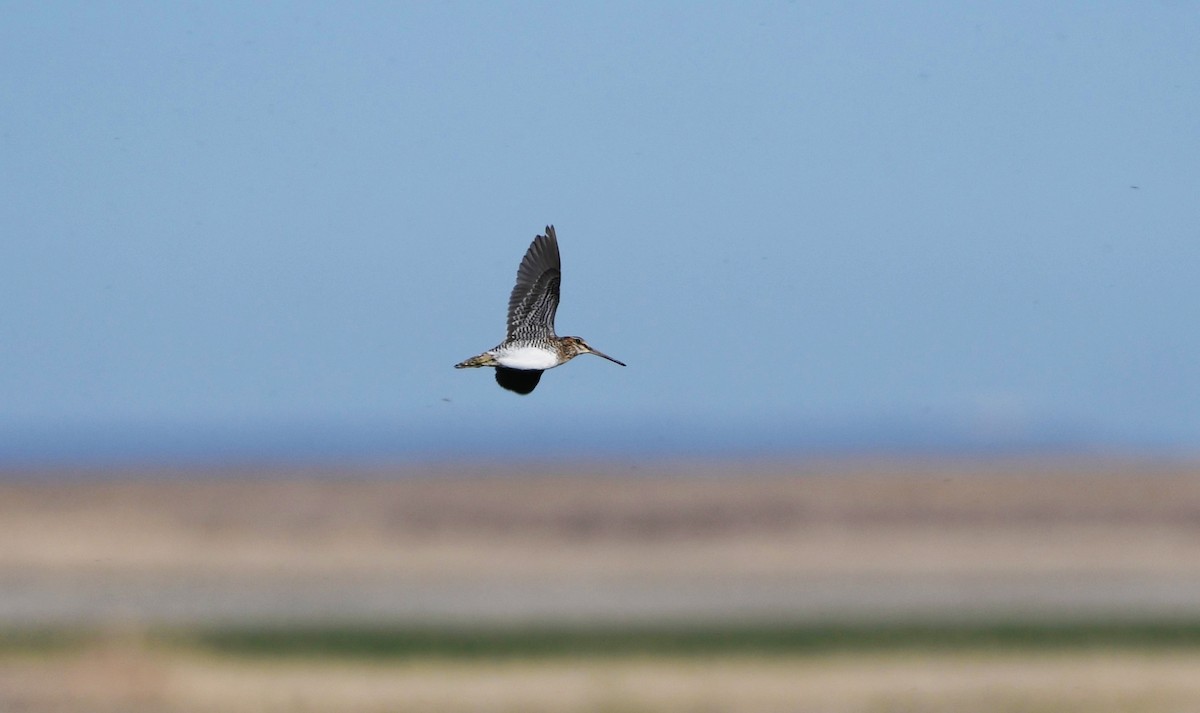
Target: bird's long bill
x=599, y=353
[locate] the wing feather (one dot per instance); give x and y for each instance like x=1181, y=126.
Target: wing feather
x=522, y=381
x=534, y=298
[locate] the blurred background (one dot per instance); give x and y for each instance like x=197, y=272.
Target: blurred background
x=907, y=296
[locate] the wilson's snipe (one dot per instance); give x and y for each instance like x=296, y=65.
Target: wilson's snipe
x=531, y=346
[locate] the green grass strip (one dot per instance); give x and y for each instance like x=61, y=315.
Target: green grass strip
x=700, y=640
x=42, y=640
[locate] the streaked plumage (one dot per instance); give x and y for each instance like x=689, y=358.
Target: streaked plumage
x=531, y=345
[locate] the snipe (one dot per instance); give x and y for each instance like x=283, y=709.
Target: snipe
x=531, y=346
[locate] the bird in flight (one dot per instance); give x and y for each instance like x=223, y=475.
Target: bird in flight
x=531, y=346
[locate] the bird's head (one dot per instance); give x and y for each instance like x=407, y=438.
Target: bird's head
x=576, y=346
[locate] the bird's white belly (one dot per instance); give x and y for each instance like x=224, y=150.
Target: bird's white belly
x=526, y=358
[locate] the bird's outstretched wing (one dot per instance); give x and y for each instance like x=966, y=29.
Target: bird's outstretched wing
x=534, y=298
x=521, y=381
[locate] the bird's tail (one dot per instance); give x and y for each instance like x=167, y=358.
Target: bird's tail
x=484, y=359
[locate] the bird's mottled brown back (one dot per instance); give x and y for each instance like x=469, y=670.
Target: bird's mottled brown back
x=534, y=298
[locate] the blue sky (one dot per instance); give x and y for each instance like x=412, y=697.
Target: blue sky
x=796, y=219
